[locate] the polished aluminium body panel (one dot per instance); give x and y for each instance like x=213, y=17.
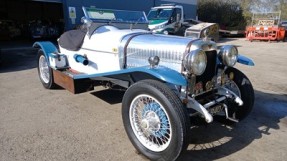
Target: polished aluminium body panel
x=136, y=49
x=170, y=50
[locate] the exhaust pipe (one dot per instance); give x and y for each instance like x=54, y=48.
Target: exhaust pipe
x=81, y=59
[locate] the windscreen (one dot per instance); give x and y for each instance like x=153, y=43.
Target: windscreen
x=115, y=15
x=160, y=14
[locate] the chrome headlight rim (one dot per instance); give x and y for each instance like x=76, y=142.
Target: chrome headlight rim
x=228, y=55
x=195, y=62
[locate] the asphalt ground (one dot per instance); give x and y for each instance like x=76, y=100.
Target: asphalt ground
x=39, y=124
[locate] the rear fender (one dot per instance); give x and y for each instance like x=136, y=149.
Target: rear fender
x=47, y=47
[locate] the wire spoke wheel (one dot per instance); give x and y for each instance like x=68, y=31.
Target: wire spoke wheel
x=44, y=69
x=45, y=72
x=155, y=120
x=150, y=123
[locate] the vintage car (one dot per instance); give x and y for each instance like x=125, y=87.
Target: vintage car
x=167, y=79
x=197, y=31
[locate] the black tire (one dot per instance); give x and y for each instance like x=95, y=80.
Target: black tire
x=247, y=95
x=176, y=115
x=47, y=81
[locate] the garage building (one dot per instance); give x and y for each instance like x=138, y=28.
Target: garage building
x=58, y=11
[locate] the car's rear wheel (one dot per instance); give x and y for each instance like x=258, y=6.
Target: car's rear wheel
x=155, y=120
x=45, y=72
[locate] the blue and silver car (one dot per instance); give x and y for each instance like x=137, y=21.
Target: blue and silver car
x=167, y=79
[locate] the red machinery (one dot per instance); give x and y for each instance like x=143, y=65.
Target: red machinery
x=265, y=26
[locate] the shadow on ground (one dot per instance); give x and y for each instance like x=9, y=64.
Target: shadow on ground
x=18, y=55
x=110, y=96
x=18, y=60
x=216, y=140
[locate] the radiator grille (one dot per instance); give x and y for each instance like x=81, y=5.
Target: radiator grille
x=210, y=70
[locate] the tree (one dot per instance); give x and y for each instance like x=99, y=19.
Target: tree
x=283, y=7
x=250, y=6
x=227, y=13
x=236, y=14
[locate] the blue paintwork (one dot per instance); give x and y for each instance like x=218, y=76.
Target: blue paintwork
x=162, y=73
x=245, y=60
x=81, y=59
x=48, y=48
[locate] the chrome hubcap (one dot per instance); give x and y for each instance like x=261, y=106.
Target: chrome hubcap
x=150, y=123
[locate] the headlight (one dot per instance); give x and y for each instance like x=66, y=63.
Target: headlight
x=228, y=55
x=160, y=27
x=195, y=62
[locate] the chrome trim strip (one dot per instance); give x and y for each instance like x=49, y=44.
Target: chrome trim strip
x=99, y=51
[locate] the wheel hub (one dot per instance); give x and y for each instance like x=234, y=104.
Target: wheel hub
x=150, y=123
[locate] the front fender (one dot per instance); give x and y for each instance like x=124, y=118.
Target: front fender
x=167, y=75
x=245, y=60
x=162, y=73
x=47, y=47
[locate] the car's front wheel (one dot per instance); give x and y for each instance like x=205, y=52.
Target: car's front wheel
x=155, y=120
x=241, y=86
